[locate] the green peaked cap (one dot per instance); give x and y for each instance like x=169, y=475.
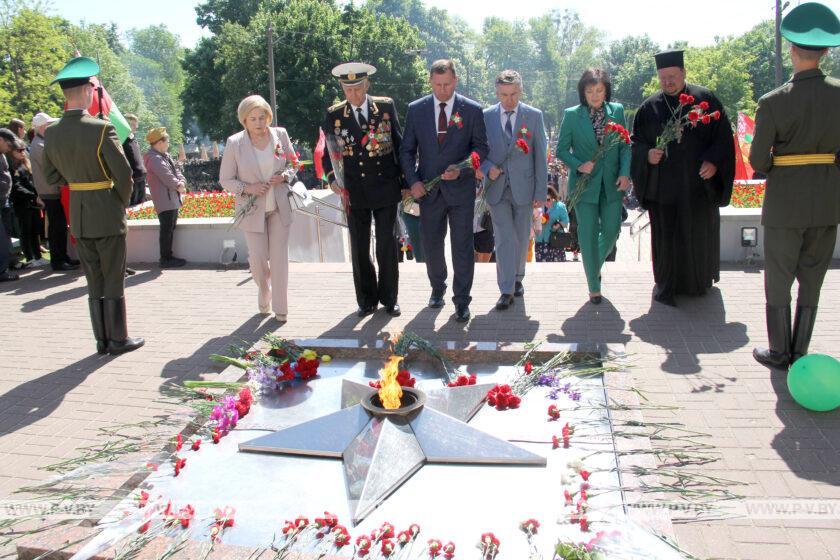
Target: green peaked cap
x=812, y=25
x=77, y=68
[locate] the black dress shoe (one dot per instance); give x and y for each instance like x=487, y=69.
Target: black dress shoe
x=519, y=289
x=436, y=302
x=393, y=310
x=366, y=310
x=595, y=299
x=505, y=301
x=172, y=262
x=74, y=262
x=130, y=271
x=772, y=359
x=60, y=267
x=8, y=277
x=462, y=313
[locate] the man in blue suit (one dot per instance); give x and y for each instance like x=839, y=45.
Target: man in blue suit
x=516, y=180
x=441, y=131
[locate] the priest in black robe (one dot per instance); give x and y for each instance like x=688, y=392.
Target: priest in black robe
x=683, y=186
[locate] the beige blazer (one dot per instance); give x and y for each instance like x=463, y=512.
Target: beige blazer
x=240, y=167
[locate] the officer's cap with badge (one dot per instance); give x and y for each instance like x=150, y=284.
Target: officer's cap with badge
x=812, y=26
x=77, y=72
x=352, y=73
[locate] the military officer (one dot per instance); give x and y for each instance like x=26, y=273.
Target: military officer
x=367, y=133
x=797, y=137
x=85, y=153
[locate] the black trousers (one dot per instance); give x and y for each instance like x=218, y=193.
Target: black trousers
x=138, y=193
x=30, y=239
x=56, y=232
x=369, y=291
x=168, y=220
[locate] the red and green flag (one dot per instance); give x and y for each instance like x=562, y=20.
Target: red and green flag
x=104, y=107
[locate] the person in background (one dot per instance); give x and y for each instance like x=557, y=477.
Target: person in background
x=256, y=168
x=483, y=238
x=26, y=204
x=18, y=128
x=166, y=184
x=135, y=159
x=50, y=195
x=556, y=219
x=7, y=138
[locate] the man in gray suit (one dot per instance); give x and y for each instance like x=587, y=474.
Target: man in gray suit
x=516, y=176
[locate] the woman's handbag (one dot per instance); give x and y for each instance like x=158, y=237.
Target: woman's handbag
x=558, y=238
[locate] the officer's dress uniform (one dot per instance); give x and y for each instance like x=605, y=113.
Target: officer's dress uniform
x=86, y=154
x=797, y=134
x=373, y=179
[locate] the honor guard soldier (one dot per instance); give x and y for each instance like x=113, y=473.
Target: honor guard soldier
x=86, y=154
x=796, y=142
x=367, y=133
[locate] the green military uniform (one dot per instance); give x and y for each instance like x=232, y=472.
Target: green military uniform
x=797, y=134
x=85, y=153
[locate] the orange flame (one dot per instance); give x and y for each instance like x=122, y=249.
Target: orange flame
x=390, y=392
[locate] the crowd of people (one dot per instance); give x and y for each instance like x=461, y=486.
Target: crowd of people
x=453, y=160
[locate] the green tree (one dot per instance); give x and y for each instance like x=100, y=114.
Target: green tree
x=213, y=14
x=32, y=50
x=508, y=45
x=758, y=44
x=548, y=93
x=630, y=64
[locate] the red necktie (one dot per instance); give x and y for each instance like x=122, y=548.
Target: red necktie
x=442, y=124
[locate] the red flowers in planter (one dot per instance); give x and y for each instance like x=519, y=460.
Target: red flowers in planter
x=502, y=397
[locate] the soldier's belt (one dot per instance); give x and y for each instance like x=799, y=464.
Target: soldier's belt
x=804, y=159
x=97, y=186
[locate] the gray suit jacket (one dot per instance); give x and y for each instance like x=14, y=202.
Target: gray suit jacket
x=527, y=173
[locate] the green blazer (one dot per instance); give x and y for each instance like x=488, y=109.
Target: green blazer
x=577, y=144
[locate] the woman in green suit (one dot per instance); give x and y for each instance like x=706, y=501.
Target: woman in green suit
x=599, y=208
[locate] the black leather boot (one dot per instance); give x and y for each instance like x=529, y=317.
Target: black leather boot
x=97, y=320
x=117, y=329
x=778, y=335
x=803, y=327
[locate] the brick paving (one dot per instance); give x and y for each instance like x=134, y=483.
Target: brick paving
x=55, y=391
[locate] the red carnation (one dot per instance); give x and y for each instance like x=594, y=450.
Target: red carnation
x=449, y=550
x=530, y=526
x=216, y=436
x=143, y=499
x=475, y=159
x=179, y=442
x=553, y=413
x=584, y=523
x=196, y=444
x=434, y=547
x=693, y=116
x=716, y=115
x=568, y=496
x=555, y=443
x=185, y=514
x=704, y=105
x=528, y=367
x=706, y=119
x=504, y=389
x=522, y=145
x=179, y=465
x=584, y=475
x=513, y=401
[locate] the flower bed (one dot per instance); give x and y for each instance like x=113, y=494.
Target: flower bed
x=748, y=195
x=195, y=205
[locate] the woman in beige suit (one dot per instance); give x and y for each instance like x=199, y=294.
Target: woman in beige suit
x=256, y=168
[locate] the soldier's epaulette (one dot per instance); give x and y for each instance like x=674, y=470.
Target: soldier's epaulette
x=337, y=106
x=381, y=99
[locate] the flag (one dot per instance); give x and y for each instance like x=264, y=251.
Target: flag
x=318, y=155
x=743, y=144
x=106, y=109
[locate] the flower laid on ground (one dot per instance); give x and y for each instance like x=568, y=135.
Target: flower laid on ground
x=488, y=544
x=529, y=527
x=404, y=378
x=553, y=413
x=196, y=445
x=433, y=546
x=502, y=397
x=223, y=518
x=179, y=442
x=449, y=550
x=614, y=134
x=194, y=205
x=179, y=464
x=463, y=380
x=142, y=499
x=567, y=432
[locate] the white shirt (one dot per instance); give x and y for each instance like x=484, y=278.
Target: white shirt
x=448, y=108
x=364, y=109
x=504, y=118
x=265, y=159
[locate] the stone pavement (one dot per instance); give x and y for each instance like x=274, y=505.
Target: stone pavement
x=55, y=391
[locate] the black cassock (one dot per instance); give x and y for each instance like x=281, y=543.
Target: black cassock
x=683, y=207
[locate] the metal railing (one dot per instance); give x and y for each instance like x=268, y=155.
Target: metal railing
x=637, y=230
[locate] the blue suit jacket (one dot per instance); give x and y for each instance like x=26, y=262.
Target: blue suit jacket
x=527, y=173
x=423, y=159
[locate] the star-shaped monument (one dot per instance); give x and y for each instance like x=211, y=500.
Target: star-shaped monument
x=381, y=450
